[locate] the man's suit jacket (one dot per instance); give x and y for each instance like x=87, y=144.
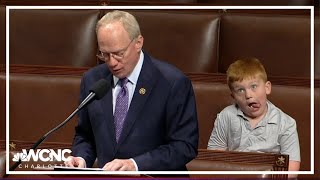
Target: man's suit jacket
x=161, y=128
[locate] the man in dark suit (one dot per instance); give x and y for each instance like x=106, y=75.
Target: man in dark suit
x=148, y=121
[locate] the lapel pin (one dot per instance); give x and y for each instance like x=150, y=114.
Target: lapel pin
x=142, y=91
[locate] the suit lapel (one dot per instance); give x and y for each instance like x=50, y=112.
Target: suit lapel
x=106, y=105
x=146, y=82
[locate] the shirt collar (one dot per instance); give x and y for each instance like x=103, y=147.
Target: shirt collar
x=133, y=77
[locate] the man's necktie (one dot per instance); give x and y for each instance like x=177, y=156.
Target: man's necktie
x=121, y=108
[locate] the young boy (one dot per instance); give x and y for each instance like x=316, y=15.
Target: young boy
x=253, y=123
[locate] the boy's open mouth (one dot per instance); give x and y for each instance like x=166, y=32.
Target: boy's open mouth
x=254, y=105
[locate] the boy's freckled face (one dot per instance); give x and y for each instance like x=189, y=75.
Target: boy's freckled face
x=250, y=95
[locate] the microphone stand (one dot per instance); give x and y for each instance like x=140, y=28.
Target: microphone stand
x=35, y=145
x=99, y=89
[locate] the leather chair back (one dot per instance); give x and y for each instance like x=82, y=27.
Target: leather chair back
x=281, y=42
x=3, y=35
x=186, y=40
x=53, y=37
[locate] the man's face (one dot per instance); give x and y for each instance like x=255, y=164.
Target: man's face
x=121, y=53
x=251, y=96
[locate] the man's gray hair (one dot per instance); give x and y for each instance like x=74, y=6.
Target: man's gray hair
x=128, y=21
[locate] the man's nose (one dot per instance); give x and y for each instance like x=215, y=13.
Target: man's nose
x=112, y=61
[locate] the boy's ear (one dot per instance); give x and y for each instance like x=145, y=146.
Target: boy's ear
x=268, y=87
x=231, y=95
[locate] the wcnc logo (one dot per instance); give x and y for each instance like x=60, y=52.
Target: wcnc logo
x=44, y=155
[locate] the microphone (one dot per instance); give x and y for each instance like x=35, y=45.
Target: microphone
x=97, y=91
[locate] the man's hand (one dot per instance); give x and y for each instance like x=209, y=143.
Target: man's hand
x=120, y=165
x=75, y=162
